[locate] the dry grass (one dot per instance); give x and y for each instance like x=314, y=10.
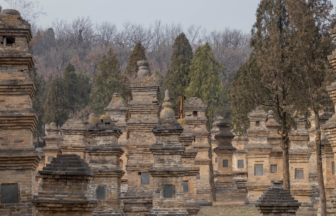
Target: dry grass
x=228, y=210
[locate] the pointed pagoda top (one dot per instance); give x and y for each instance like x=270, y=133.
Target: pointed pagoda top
x=167, y=112
x=117, y=103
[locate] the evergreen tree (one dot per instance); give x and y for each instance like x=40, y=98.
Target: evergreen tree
x=71, y=87
x=311, y=43
x=269, y=78
x=56, y=103
x=177, y=79
x=132, y=68
x=83, y=81
x=38, y=100
x=136, y=55
x=204, y=80
x=107, y=81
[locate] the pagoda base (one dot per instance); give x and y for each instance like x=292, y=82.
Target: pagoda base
x=168, y=212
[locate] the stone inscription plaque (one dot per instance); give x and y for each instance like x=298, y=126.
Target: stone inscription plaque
x=240, y=163
x=144, y=178
x=225, y=163
x=185, y=187
x=168, y=191
x=101, y=192
x=9, y=193
x=258, y=170
x=274, y=168
x=298, y=173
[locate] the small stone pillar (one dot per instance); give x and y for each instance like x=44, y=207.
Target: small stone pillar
x=117, y=110
x=103, y=156
x=258, y=154
x=239, y=161
x=168, y=170
x=225, y=176
x=73, y=138
x=188, y=161
x=274, y=139
x=144, y=110
x=214, y=143
x=65, y=188
x=276, y=201
x=53, y=141
x=299, y=155
x=195, y=115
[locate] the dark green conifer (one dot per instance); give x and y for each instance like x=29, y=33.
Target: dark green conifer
x=56, y=103
x=107, y=81
x=136, y=55
x=177, y=79
x=71, y=87
x=204, y=80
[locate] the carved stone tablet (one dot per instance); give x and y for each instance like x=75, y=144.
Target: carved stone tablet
x=225, y=163
x=168, y=191
x=144, y=178
x=185, y=187
x=274, y=168
x=258, y=170
x=198, y=176
x=101, y=192
x=298, y=173
x=240, y=163
x=9, y=193
x=50, y=159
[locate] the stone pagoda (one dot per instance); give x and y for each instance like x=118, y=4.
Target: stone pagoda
x=225, y=175
x=65, y=188
x=299, y=154
x=144, y=110
x=103, y=156
x=117, y=110
x=258, y=155
x=188, y=161
x=73, y=132
x=18, y=158
x=168, y=170
x=276, y=201
x=329, y=128
x=53, y=141
x=274, y=139
x=195, y=116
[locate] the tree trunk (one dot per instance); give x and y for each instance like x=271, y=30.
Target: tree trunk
x=285, y=154
x=212, y=178
x=323, y=200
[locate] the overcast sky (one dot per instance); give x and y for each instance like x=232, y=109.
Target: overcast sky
x=210, y=14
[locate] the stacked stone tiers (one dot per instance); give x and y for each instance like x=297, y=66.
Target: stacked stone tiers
x=277, y=201
x=65, y=189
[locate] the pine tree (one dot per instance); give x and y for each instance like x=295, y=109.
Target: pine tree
x=107, y=81
x=177, y=79
x=56, y=103
x=204, y=80
x=136, y=55
x=38, y=100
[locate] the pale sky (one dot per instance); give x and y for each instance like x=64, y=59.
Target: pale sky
x=210, y=14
